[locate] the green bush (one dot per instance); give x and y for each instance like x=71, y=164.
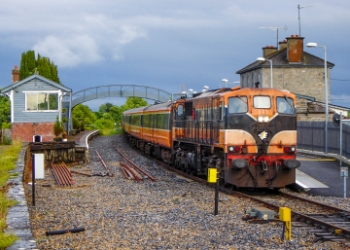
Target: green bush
x=58, y=127
x=104, y=124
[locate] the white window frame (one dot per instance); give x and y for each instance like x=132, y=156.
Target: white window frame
x=40, y=92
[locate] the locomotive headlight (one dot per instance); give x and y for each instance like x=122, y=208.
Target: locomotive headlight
x=235, y=149
x=289, y=149
x=263, y=118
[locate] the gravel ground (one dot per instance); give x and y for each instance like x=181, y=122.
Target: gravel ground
x=171, y=213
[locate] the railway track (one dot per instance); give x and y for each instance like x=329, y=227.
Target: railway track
x=327, y=223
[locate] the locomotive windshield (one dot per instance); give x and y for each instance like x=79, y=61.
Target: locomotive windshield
x=262, y=102
x=237, y=105
x=285, y=105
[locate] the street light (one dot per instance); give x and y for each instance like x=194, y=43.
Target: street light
x=205, y=88
x=314, y=45
x=262, y=59
x=301, y=7
x=226, y=81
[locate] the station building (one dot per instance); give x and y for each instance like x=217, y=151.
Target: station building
x=295, y=70
x=36, y=102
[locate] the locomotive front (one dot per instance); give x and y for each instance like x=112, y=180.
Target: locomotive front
x=259, y=138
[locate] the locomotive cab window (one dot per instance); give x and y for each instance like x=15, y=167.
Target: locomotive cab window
x=285, y=105
x=262, y=102
x=180, y=112
x=237, y=104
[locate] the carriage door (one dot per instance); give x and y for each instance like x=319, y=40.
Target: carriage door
x=209, y=123
x=179, y=121
x=154, y=125
x=216, y=119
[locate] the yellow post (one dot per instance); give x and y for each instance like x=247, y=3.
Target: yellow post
x=286, y=216
x=212, y=175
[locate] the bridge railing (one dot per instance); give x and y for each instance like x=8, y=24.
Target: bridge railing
x=120, y=91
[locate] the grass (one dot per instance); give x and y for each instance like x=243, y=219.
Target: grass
x=8, y=157
x=110, y=131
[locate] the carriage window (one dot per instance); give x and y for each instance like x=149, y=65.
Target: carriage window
x=237, y=105
x=146, y=121
x=285, y=105
x=163, y=121
x=180, y=110
x=262, y=102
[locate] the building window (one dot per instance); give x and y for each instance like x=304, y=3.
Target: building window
x=41, y=101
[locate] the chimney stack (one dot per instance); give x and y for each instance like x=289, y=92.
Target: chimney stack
x=15, y=74
x=295, y=49
x=283, y=44
x=268, y=50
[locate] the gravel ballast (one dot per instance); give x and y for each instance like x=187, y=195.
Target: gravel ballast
x=171, y=213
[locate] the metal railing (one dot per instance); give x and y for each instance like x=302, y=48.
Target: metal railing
x=311, y=136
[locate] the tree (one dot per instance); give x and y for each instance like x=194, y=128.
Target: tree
x=104, y=108
x=5, y=107
x=134, y=102
x=42, y=66
x=83, y=114
x=116, y=113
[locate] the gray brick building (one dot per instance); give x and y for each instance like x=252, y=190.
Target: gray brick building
x=295, y=70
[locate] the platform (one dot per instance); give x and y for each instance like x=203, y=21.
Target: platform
x=82, y=139
x=307, y=182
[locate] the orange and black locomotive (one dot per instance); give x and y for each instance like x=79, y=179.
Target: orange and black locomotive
x=248, y=134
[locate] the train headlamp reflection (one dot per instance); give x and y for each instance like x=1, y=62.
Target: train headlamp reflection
x=263, y=118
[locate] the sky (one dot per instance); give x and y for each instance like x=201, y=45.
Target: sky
x=173, y=45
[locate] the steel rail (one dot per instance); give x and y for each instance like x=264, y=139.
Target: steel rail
x=137, y=167
x=62, y=174
x=126, y=174
x=297, y=215
x=104, y=164
x=131, y=171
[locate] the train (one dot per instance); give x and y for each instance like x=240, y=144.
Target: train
x=248, y=134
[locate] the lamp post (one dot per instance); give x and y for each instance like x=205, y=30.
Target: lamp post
x=262, y=59
x=301, y=7
x=314, y=45
x=226, y=81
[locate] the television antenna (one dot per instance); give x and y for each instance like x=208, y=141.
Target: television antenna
x=301, y=7
x=275, y=28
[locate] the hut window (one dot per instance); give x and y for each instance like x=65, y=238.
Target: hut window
x=41, y=101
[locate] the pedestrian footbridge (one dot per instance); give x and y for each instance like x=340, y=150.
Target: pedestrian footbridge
x=121, y=91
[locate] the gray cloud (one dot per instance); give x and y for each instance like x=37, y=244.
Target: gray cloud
x=195, y=42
